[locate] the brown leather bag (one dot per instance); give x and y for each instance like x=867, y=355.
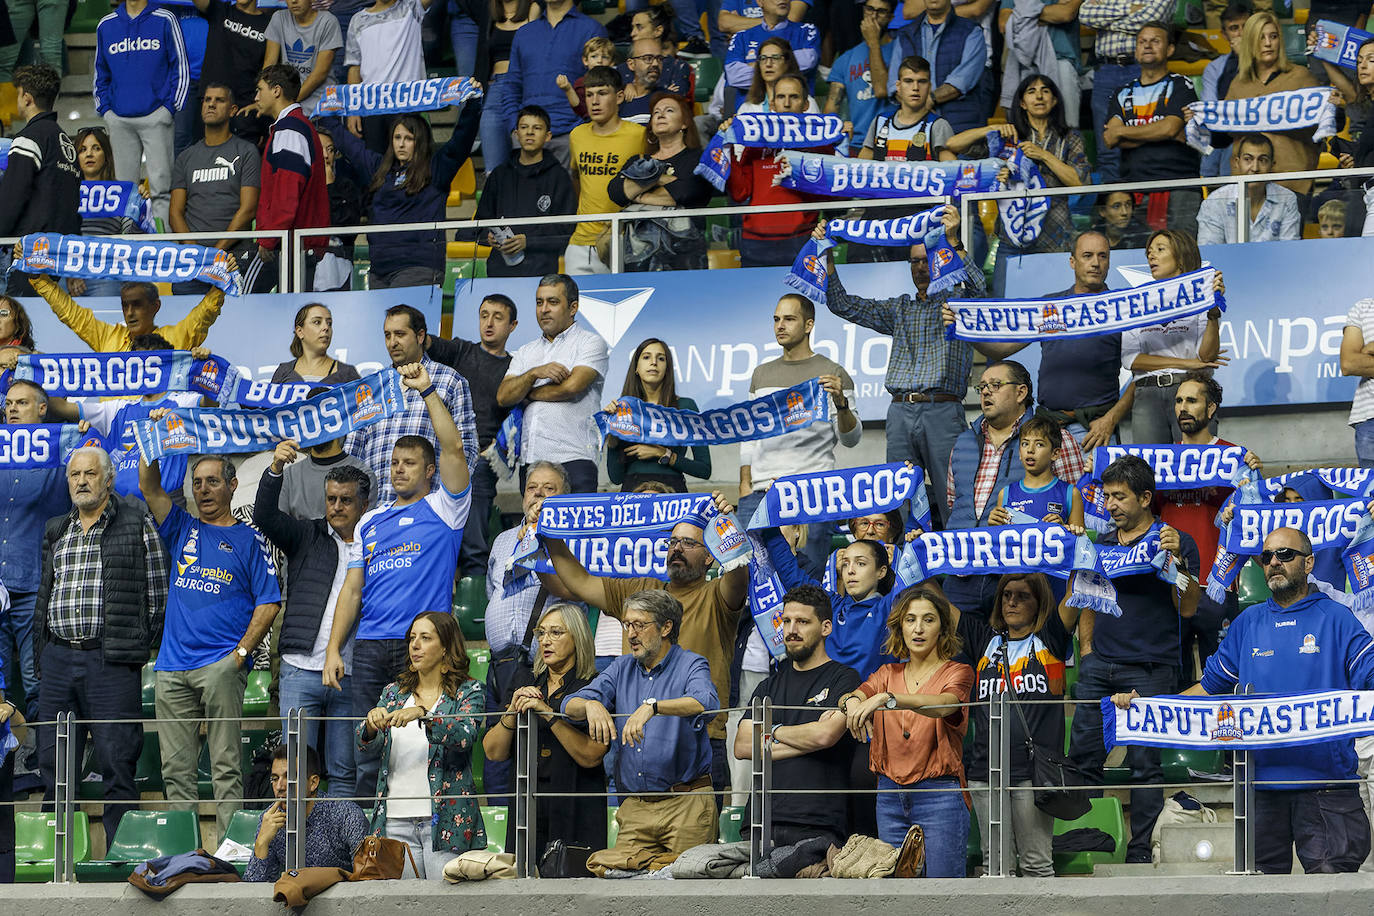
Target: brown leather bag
x=296, y=888
x=379, y=857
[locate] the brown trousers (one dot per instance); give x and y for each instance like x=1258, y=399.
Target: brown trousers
x=654, y=831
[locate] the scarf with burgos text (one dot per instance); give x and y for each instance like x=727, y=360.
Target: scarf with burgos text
x=765, y=130
x=1176, y=467
x=810, y=275
x=1293, y=109
x=1022, y=217
x=775, y=414
x=1093, y=315
x=870, y=179
x=44, y=445
x=1242, y=722
x=843, y=494
x=327, y=416
x=94, y=258
x=344, y=100
x=1329, y=524
x=119, y=199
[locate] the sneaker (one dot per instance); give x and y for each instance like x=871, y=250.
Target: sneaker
x=694, y=47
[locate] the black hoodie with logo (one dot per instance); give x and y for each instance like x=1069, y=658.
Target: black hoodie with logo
x=514, y=190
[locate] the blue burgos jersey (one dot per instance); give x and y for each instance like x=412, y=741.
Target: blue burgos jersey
x=408, y=555
x=1316, y=644
x=220, y=573
x=1054, y=498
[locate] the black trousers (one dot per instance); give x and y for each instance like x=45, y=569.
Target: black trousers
x=1328, y=827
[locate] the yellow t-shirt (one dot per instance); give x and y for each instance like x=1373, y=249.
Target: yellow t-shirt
x=598, y=159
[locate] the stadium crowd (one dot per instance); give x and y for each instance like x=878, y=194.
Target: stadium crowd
x=351, y=548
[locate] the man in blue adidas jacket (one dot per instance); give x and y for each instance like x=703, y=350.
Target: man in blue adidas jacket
x=141, y=79
x=1298, y=641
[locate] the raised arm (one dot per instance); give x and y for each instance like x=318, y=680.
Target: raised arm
x=453, y=465
x=576, y=582
x=150, y=485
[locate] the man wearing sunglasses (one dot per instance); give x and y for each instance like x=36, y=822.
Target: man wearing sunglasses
x=1297, y=641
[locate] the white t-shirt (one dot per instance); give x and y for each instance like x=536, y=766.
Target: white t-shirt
x=386, y=45
x=1177, y=339
x=315, y=660
x=562, y=431
x=408, y=771
x=1361, y=316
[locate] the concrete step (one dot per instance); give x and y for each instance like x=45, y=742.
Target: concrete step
x=1197, y=843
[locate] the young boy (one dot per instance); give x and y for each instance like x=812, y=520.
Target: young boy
x=1331, y=220
x=597, y=52
x=307, y=39
x=599, y=150
x=914, y=133
x=1040, y=494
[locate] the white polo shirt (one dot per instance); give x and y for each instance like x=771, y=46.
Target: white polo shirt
x=562, y=431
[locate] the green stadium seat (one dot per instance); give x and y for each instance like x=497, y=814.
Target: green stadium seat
x=1250, y=586
x=1295, y=42
x=1106, y=815
x=88, y=15
x=479, y=660
x=470, y=607
x=494, y=818
x=35, y=844
x=1178, y=761
x=149, y=691
x=143, y=835
x=257, y=696
x=243, y=827
x=707, y=71
x=148, y=775
x=249, y=741
x=612, y=827
x=732, y=824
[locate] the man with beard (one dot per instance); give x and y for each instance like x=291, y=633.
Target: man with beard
x=811, y=748
x=710, y=614
x=646, y=63
x=1296, y=642
x=1194, y=512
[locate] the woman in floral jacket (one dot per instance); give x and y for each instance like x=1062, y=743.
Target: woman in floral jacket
x=424, y=728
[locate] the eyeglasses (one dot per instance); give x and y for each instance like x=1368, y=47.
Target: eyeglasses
x=1284, y=554
x=991, y=387
x=639, y=626
x=682, y=542
x=648, y=58
x=772, y=58
x=551, y=633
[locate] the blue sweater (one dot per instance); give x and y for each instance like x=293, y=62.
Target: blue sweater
x=140, y=63
x=1316, y=644
x=538, y=55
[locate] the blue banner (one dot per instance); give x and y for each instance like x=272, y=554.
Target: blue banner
x=116, y=259
x=43, y=445
x=1338, y=44
x=776, y=414
x=870, y=179
x=842, y=494
x=765, y=598
x=120, y=199
x=323, y=418
x=344, y=99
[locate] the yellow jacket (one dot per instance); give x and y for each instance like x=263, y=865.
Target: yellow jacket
x=104, y=337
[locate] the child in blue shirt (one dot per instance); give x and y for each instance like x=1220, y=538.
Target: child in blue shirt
x=1040, y=494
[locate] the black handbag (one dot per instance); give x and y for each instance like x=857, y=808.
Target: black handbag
x=1052, y=773
x=507, y=664
x=563, y=861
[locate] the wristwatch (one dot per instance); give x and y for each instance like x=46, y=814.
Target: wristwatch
x=891, y=701
x=241, y=652
x=651, y=703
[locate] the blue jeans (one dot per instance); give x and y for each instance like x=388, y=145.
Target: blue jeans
x=376, y=663
x=1364, y=443
x=184, y=121
x=1107, y=80
x=817, y=548
x=943, y=817
x=1097, y=679
x=16, y=648
x=1080, y=432
x=924, y=434
x=492, y=127
x=462, y=31
x=472, y=555
x=302, y=689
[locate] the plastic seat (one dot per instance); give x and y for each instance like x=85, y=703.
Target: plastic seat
x=257, y=696
x=35, y=844
x=1250, y=586
x=243, y=827
x=470, y=607
x=722, y=259
x=707, y=71
x=1177, y=761
x=1105, y=815
x=464, y=184
x=148, y=774
x=464, y=251
x=143, y=835
x=731, y=824
x=149, y=691
x=494, y=818
x=612, y=827
x=478, y=662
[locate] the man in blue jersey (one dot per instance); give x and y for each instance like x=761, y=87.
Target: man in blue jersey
x=222, y=600
x=1298, y=641
x=402, y=559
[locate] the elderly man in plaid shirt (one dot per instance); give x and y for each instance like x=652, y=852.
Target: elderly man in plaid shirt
x=407, y=338
x=98, y=615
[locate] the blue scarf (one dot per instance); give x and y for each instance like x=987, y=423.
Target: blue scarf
x=395, y=98
x=842, y=494
x=1339, y=44
x=43, y=445
x=947, y=268
x=1358, y=560
x=100, y=258
x=1022, y=217
x=1329, y=523
x=223, y=383
x=503, y=454
x=809, y=276
x=1242, y=722
x=324, y=418
x=1108, y=312
x=119, y=199
x=1293, y=109
x=871, y=179
x=1176, y=467
x=765, y=130
x=772, y=415
x=1354, y=481
x=765, y=598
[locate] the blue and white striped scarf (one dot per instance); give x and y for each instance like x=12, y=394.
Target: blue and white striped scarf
x=843, y=494
x=872, y=179
x=1328, y=523
x=1240, y=722
x=1023, y=218
x=43, y=445
x=1293, y=109
x=810, y=276
x=1338, y=44
x=775, y=414
x=118, y=259
x=347, y=99
x=765, y=130
x=1176, y=467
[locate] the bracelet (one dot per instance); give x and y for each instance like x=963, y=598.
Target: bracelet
x=427, y=392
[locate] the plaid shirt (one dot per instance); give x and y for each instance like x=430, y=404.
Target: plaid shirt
x=75, y=607
x=921, y=359
x=1068, y=467
x=372, y=444
x=1116, y=22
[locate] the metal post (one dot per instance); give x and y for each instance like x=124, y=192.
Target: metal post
x=526, y=769
x=965, y=226
x=1243, y=211
x=297, y=788
x=617, y=257
x=759, y=734
x=64, y=795
x=1243, y=807
x=1001, y=862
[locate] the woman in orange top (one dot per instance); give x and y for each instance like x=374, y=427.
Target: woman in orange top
x=907, y=713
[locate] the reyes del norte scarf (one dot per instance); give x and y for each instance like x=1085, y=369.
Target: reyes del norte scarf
x=43, y=445
x=765, y=130
x=810, y=276
x=323, y=418
x=1278, y=111
x=1329, y=524
x=347, y=99
x=775, y=414
x=1093, y=315
x=1338, y=44
x=871, y=179
x=90, y=258
x=1245, y=722
x=120, y=199
x=842, y=494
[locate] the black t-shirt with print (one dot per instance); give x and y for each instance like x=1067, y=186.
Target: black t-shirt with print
x=1135, y=105
x=234, y=48
x=820, y=689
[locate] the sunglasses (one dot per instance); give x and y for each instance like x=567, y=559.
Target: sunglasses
x=1284, y=554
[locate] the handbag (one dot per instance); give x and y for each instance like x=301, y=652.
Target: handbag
x=508, y=662
x=1051, y=771
x=561, y=860
x=381, y=858
x=478, y=865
